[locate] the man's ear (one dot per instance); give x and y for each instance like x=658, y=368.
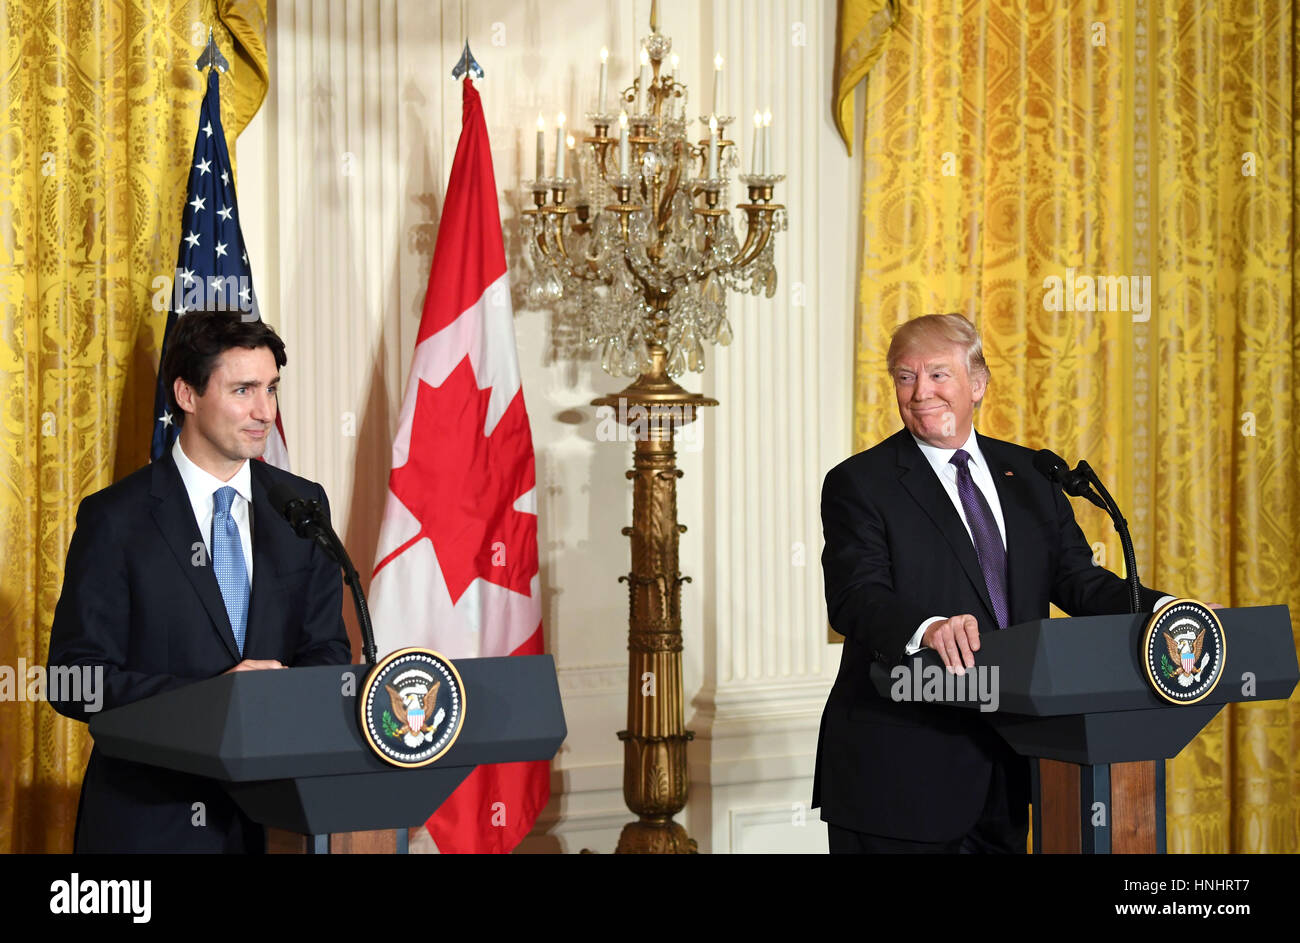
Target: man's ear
x=184, y=395
x=978, y=387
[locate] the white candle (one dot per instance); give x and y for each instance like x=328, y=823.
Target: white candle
x=713, y=148
x=670, y=100
x=559, y=145
x=767, y=142
x=541, y=147
x=643, y=84
x=717, y=84
x=622, y=143
x=604, y=76
x=758, y=142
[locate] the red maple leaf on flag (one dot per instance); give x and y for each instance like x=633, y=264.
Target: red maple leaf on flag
x=462, y=486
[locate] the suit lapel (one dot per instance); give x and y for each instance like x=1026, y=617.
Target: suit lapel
x=918, y=477
x=175, y=518
x=1022, y=537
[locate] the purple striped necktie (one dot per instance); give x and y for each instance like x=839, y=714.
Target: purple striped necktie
x=984, y=531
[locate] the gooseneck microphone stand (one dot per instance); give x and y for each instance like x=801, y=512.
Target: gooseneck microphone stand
x=1080, y=483
x=310, y=521
x=1125, y=538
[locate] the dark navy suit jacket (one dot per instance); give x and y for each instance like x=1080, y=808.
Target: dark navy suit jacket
x=896, y=554
x=140, y=599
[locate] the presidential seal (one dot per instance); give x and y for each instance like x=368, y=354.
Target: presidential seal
x=1183, y=650
x=412, y=707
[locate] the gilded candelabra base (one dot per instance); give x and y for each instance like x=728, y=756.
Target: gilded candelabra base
x=655, y=777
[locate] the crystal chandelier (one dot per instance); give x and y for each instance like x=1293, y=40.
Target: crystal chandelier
x=637, y=247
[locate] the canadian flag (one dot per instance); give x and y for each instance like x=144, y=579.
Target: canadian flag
x=456, y=569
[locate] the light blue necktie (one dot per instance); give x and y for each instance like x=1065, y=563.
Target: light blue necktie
x=228, y=563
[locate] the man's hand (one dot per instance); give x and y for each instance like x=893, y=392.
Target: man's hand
x=254, y=664
x=955, y=640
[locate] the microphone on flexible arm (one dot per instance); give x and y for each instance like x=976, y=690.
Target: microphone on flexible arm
x=1080, y=483
x=1074, y=483
x=308, y=519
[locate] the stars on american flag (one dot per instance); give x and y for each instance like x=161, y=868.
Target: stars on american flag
x=212, y=269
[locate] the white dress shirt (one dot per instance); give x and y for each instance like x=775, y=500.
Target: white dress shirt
x=201, y=486
x=941, y=461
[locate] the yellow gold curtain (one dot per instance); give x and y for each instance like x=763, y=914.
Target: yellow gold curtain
x=1009, y=145
x=98, y=109
x=862, y=28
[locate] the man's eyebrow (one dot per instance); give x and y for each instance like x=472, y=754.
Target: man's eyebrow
x=937, y=365
x=236, y=384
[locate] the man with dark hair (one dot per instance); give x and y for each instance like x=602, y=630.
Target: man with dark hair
x=197, y=343
x=182, y=571
x=935, y=537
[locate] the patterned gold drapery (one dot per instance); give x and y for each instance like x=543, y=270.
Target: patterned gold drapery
x=862, y=28
x=1008, y=144
x=98, y=104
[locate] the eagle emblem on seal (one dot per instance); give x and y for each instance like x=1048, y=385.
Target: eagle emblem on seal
x=413, y=709
x=1185, y=662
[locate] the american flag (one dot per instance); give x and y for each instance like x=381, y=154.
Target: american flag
x=212, y=270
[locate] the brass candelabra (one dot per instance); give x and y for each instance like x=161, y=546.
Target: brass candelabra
x=639, y=246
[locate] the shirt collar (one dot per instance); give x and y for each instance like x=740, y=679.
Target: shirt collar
x=940, y=459
x=200, y=482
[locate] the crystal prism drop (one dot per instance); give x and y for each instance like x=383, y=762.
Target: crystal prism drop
x=676, y=363
x=724, y=332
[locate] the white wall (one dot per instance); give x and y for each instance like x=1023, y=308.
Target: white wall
x=341, y=181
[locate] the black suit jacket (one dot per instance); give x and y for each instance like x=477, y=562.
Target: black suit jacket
x=140, y=599
x=896, y=554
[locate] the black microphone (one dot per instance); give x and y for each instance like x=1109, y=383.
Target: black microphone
x=308, y=519
x=303, y=516
x=1076, y=483
x=1071, y=481
x=1079, y=483
x=1052, y=466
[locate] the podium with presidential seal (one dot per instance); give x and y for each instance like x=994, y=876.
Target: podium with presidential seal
x=327, y=752
x=1099, y=704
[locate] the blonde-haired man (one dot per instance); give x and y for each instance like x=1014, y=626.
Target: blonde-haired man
x=934, y=537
